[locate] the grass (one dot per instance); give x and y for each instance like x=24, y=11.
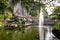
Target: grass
x=18, y=35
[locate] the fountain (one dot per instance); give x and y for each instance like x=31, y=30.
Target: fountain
x=41, y=29
x=44, y=35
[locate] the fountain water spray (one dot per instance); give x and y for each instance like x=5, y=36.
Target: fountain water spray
x=41, y=29
x=42, y=34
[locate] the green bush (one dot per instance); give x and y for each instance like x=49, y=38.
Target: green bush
x=1, y=17
x=57, y=26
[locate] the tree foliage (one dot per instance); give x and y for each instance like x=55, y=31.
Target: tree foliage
x=8, y=14
x=3, y=5
x=56, y=13
x=15, y=1
x=1, y=17
x=4, y=8
x=30, y=5
x=56, y=16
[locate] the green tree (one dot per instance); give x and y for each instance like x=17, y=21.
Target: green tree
x=4, y=4
x=5, y=7
x=29, y=5
x=56, y=16
x=32, y=6
x=56, y=13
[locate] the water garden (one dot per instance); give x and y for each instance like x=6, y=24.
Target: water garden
x=29, y=19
